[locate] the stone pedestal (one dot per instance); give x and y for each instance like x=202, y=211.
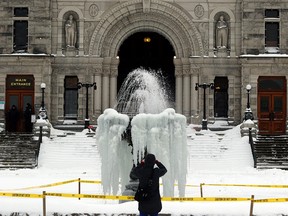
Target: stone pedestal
x=70, y=51
x=130, y=189
x=221, y=52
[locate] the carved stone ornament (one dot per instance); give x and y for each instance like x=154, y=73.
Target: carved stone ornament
x=146, y=5
x=178, y=73
x=93, y=10
x=186, y=72
x=199, y=10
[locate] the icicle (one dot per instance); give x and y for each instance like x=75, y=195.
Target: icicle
x=164, y=135
x=115, y=154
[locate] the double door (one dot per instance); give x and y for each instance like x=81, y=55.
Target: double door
x=19, y=119
x=272, y=113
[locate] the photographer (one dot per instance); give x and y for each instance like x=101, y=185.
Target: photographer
x=149, y=178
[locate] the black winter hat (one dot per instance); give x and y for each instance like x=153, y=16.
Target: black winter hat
x=150, y=159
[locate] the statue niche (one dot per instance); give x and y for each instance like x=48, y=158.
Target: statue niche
x=221, y=33
x=70, y=32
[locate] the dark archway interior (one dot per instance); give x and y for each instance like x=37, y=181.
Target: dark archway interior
x=157, y=54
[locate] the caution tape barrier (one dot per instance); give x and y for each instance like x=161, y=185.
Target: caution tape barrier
x=246, y=185
x=271, y=200
x=67, y=182
x=43, y=186
x=90, y=181
x=209, y=199
x=99, y=182
x=131, y=198
x=22, y=195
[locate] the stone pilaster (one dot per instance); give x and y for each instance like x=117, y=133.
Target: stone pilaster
x=186, y=88
x=178, y=74
x=106, y=83
x=113, y=81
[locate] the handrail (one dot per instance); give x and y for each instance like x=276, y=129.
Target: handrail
x=38, y=150
x=251, y=142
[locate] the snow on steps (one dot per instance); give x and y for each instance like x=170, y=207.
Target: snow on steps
x=58, y=150
x=18, y=151
x=213, y=150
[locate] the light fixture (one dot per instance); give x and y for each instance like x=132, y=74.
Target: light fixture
x=147, y=39
x=43, y=85
x=248, y=87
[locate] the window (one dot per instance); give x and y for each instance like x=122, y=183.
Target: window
x=271, y=34
x=272, y=21
x=271, y=13
x=20, y=12
x=271, y=84
x=20, y=30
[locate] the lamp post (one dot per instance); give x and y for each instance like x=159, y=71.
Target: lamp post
x=248, y=112
x=87, y=86
x=248, y=115
x=248, y=89
x=204, y=86
x=42, y=111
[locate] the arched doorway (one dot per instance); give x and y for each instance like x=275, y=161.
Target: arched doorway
x=148, y=50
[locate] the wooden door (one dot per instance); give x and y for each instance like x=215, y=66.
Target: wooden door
x=19, y=93
x=272, y=106
x=272, y=113
x=15, y=120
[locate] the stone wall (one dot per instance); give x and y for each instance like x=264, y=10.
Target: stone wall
x=102, y=26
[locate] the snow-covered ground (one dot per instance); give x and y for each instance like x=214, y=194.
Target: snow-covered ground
x=214, y=158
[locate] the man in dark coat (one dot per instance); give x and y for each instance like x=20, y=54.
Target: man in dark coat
x=144, y=172
x=13, y=117
x=27, y=115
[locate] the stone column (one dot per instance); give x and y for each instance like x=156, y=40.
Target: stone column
x=59, y=36
x=186, y=88
x=194, y=95
x=97, y=98
x=178, y=94
x=106, y=83
x=113, y=81
x=81, y=37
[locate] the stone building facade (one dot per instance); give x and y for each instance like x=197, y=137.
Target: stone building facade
x=230, y=43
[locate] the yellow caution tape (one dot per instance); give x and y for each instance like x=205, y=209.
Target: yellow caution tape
x=42, y=186
x=247, y=185
x=53, y=184
x=91, y=196
x=271, y=200
x=131, y=198
x=90, y=181
x=22, y=195
x=198, y=199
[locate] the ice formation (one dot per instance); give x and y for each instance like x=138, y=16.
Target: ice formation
x=142, y=92
x=155, y=127
x=115, y=153
x=165, y=136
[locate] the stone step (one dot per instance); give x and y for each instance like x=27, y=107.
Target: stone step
x=18, y=151
x=271, y=152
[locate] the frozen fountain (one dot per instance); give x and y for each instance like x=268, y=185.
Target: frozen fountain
x=142, y=92
x=142, y=122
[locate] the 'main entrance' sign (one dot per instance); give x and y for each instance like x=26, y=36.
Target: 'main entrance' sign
x=20, y=82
